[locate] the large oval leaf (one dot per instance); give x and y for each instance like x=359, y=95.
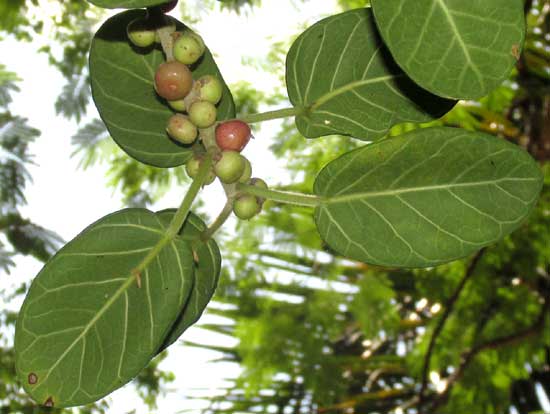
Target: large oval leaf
x=455, y=48
x=344, y=77
x=85, y=328
x=206, y=275
x=123, y=91
x=126, y=4
x=424, y=198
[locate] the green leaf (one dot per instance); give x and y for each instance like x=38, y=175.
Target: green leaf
x=122, y=79
x=207, y=273
x=424, y=198
x=459, y=49
x=339, y=71
x=126, y=4
x=86, y=328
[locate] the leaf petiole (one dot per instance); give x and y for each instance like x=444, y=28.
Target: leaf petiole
x=277, y=114
x=297, y=199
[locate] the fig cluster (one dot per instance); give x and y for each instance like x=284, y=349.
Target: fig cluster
x=194, y=102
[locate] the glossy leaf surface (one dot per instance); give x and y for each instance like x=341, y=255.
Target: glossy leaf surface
x=455, y=48
x=424, y=198
x=122, y=79
x=206, y=275
x=342, y=74
x=126, y=4
x=85, y=328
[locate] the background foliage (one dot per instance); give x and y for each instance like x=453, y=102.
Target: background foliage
x=316, y=332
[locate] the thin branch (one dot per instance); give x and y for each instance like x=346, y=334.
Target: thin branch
x=449, y=306
x=468, y=357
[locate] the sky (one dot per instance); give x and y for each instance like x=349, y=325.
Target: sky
x=66, y=199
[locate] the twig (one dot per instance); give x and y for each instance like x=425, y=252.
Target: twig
x=496, y=343
x=449, y=306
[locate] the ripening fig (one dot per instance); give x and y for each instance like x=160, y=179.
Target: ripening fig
x=246, y=207
x=230, y=167
x=209, y=88
x=202, y=114
x=188, y=48
x=173, y=80
x=168, y=7
x=181, y=129
x=247, y=172
x=233, y=135
x=141, y=33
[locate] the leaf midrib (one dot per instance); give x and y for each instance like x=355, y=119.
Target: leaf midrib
x=122, y=289
x=374, y=194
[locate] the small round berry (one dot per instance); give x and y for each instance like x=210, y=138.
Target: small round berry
x=258, y=182
x=246, y=207
x=202, y=114
x=188, y=48
x=233, y=135
x=182, y=129
x=168, y=7
x=141, y=33
x=209, y=89
x=178, y=105
x=173, y=80
x=247, y=173
x=192, y=167
x=230, y=167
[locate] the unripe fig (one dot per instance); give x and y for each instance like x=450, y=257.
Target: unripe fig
x=188, y=48
x=210, y=89
x=247, y=173
x=230, y=167
x=168, y=7
x=246, y=207
x=192, y=167
x=202, y=114
x=141, y=33
x=233, y=135
x=178, y=105
x=258, y=182
x=182, y=129
x=173, y=80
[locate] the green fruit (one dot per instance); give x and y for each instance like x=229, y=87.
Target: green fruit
x=178, y=105
x=230, y=167
x=210, y=89
x=141, y=33
x=203, y=114
x=182, y=129
x=246, y=207
x=258, y=182
x=247, y=173
x=192, y=167
x=188, y=48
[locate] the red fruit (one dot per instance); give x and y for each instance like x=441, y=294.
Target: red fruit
x=233, y=135
x=168, y=6
x=173, y=80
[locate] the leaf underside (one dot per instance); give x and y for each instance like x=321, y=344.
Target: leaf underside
x=122, y=79
x=454, y=48
x=206, y=275
x=126, y=4
x=85, y=328
x=425, y=198
x=342, y=74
